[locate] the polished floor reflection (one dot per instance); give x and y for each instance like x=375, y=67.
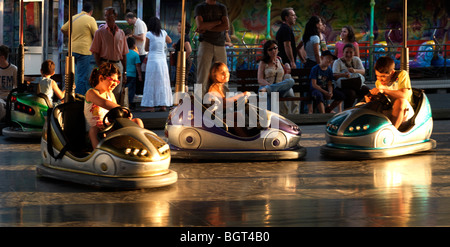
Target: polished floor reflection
x=408, y=191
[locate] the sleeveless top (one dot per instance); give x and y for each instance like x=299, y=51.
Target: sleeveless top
x=45, y=85
x=274, y=74
x=94, y=114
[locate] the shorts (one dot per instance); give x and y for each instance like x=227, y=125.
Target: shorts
x=409, y=113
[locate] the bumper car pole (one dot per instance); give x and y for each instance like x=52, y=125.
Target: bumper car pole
x=181, y=61
x=404, y=63
x=70, y=64
x=21, y=85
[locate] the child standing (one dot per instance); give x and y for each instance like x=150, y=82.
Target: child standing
x=47, y=84
x=321, y=86
x=133, y=69
x=8, y=78
x=100, y=99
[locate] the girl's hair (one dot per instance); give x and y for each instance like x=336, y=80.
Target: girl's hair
x=154, y=26
x=187, y=26
x=105, y=70
x=311, y=29
x=48, y=67
x=213, y=71
x=351, y=34
x=267, y=45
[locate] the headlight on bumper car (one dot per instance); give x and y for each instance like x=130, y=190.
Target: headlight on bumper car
x=365, y=125
x=129, y=148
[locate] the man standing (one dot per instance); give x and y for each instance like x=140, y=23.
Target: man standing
x=212, y=22
x=110, y=46
x=286, y=39
x=139, y=32
x=83, y=30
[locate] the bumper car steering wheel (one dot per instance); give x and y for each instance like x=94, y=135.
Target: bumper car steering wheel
x=112, y=115
x=381, y=101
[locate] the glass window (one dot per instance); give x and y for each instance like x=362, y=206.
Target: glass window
x=32, y=24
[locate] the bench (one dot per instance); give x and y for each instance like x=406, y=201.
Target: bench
x=247, y=80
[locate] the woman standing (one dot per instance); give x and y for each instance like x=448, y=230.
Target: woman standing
x=157, y=90
x=311, y=41
x=347, y=37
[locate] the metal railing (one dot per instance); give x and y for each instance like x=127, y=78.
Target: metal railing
x=434, y=64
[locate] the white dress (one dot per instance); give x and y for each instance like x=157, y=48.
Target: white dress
x=157, y=89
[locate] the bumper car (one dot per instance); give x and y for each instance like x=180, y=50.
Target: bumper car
x=364, y=132
x=26, y=112
x=194, y=131
x=129, y=157
x=26, y=107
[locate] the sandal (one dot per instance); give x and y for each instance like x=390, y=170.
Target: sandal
x=148, y=109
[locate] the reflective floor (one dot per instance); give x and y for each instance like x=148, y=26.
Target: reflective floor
x=408, y=191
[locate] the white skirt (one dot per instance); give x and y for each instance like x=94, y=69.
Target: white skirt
x=157, y=89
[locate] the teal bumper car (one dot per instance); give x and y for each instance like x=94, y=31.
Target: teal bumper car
x=364, y=132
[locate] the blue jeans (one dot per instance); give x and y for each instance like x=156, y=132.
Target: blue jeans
x=282, y=88
x=131, y=85
x=83, y=70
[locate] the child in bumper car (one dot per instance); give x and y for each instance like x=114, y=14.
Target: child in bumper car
x=100, y=99
x=396, y=85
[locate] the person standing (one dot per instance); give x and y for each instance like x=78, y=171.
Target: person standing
x=311, y=41
x=83, y=30
x=139, y=32
x=157, y=90
x=110, y=46
x=347, y=37
x=212, y=22
x=134, y=70
x=286, y=39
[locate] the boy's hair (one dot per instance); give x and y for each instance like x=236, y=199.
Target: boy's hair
x=105, y=70
x=384, y=65
x=131, y=41
x=48, y=67
x=4, y=51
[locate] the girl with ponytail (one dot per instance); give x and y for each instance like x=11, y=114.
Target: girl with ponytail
x=100, y=99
